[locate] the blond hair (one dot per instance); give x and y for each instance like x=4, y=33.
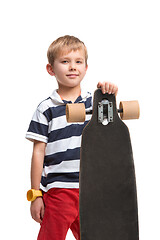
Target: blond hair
x=64, y=45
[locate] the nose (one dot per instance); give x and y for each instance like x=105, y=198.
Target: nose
x=72, y=66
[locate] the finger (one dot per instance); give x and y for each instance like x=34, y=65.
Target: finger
x=42, y=212
x=115, y=90
x=102, y=86
x=112, y=88
x=107, y=85
x=99, y=84
x=37, y=218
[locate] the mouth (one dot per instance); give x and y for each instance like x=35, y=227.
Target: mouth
x=72, y=75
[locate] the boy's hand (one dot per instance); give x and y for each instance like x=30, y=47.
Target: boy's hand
x=108, y=87
x=37, y=209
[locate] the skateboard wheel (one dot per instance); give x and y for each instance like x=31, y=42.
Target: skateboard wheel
x=75, y=112
x=130, y=110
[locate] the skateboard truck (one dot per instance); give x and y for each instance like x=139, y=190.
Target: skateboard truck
x=105, y=111
x=128, y=110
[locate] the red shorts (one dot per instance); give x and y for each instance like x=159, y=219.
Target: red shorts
x=61, y=213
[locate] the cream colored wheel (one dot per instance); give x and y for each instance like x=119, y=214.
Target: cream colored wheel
x=130, y=110
x=75, y=112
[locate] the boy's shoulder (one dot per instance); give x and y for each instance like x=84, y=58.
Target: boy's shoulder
x=54, y=100
x=44, y=105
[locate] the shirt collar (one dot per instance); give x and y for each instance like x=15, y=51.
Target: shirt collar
x=57, y=99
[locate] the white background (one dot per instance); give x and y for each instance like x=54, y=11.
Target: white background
x=123, y=41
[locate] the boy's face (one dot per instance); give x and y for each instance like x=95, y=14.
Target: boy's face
x=69, y=69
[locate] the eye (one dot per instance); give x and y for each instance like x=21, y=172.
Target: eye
x=64, y=61
x=79, y=62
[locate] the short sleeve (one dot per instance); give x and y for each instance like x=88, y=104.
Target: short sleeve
x=38, y=128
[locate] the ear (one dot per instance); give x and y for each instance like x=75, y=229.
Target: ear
x=50, y=69
x=86, y=67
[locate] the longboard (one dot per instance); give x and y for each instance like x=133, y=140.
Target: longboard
x=108, y=195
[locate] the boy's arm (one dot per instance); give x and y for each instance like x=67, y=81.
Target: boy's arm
x=37, y=206
x=37, y=164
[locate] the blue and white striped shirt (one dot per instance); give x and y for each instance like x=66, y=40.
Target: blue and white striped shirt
x=63, y=141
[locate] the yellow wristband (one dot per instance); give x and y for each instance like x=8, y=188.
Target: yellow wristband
x=32, y=194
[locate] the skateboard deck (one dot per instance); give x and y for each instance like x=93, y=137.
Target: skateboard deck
x=108, y=198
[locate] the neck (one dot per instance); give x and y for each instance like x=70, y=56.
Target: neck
x=68, y=93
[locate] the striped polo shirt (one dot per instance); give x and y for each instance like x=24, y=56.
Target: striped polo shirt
x=63, y=141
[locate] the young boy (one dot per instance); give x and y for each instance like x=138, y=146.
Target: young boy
x=56, y=151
